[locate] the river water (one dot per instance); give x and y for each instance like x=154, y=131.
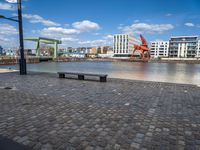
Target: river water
x=163, y=72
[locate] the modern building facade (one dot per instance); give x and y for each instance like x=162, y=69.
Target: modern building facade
x=11, y=51
x=124, y=45
x=198, y=50
x=183, y=46
x=159, y=49
x=1, y=50
x=106, y=52
x=92, y=52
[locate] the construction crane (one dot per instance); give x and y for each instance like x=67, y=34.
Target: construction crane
x=143, y=49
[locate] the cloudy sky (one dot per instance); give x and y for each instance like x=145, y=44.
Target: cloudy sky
x=93, y=22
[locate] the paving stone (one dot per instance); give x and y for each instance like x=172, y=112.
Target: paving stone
x=152, y=127
x=158, y=130
x=117, y=147
x=103, y=133
x=135, y=145
x=138, y=140
x=68, y=147
x=139, y=135
x=45, y=113
x=197, y=142
x=47, y=147
x=149, y=134
x=188, y=133
x=165, y=129
x=181, y=142
x=89, y=148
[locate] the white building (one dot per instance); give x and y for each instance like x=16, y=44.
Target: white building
x=198, y=49
x=183, y=46
x=11, y=52
x=159, y=49
x=124, y=45
x=109, y=53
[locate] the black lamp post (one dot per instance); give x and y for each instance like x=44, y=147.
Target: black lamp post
x=22, y=60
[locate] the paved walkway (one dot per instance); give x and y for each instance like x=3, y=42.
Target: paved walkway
x=45, y=112
x=7, y=70
x=8, y=144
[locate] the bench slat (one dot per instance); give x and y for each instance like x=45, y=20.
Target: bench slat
x=86, y=74
x=81, y=76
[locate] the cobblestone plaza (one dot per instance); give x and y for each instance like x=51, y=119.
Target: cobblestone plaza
x=44, y=112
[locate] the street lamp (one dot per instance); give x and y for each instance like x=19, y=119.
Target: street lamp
x=22, y=60
x=3, y=17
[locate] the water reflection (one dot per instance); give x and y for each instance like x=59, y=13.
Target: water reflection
x=164, y=72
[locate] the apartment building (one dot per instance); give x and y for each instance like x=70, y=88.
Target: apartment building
x=1, y=50
x=183, y=46
x=159, y=49
x=124, y=45
x=198, y=50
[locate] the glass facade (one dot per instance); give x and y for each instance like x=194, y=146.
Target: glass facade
x=183, y=47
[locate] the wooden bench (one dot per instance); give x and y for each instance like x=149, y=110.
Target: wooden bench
x=81, y=76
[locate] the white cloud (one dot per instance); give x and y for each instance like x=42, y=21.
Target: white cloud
x=108, y=37
x=6, y=6
x=86, y=25
x=107, y=40
x=58, y=31
x=6, y=29
x=8, y=35
x=11, y=1
x=147, y=28
x=189, y=24
x=158, y=40
x=95, y=43
x=67, y=36
x=121, y=26
x=39, y=19
x=136, y=21
x=69, y=39
x=168, y=15
x=8, y=42
x=96, y=34
x=66, y=25
x=3, y=39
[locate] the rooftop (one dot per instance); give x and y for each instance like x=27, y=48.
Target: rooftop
x=192, y=36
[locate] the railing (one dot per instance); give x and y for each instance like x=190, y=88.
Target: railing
x=5, y=60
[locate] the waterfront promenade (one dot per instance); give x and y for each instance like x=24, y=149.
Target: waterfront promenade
x=44, y=112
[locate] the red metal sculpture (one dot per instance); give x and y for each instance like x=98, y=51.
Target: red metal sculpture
x=143, y=49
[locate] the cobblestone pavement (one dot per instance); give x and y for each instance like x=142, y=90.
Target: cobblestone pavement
x=45, y=112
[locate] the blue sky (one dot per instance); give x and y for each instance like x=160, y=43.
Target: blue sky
x=92, y=23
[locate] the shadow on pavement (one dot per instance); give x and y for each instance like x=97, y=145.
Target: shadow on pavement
x=7, y=144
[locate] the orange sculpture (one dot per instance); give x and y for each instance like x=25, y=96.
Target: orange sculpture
x=143, y=49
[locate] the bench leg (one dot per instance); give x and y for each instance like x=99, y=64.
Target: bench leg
x=61, y=75
x=81, y=77
x=103, y=79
